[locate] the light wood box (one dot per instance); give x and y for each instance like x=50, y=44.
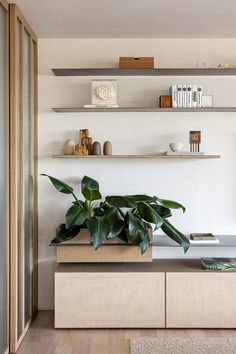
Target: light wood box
x=136, y=62
x=84, y=237
x=201, y=300
x=79, y=250
x=109, y=299
x=106, y=253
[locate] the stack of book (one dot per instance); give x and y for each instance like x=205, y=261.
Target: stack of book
x=203, y=238
x=186, y=96
x=219, y=263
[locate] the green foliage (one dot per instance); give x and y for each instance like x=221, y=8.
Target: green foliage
x=113, y=216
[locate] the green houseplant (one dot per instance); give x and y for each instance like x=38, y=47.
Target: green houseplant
x=110, y=218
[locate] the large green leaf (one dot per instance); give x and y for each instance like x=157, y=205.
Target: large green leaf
x=144, y=245
x=141, y=198
x=60, y=185
x=90, y=189
x=120, y=202
x=162, y=211
x=171, y=204
x=76, y=215
x=64, y=234
x=138, y=232
x=175, y=235
x=149, y=214
x=99, y=230
x=115, y=223
x=123, y=236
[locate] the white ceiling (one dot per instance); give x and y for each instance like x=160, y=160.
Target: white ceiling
x=131, y=18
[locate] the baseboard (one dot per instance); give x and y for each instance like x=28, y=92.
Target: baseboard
x=45, y=308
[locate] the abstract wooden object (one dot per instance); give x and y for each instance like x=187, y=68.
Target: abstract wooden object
x=85, y=145
x=194, y=140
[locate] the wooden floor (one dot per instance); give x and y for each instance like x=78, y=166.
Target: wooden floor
x=42, y=338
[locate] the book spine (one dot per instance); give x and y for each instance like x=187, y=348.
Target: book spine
x=174, y=96
x=189, y=96
x=180, y=96
x=194, y=96
x=184, y=96
x=199, y=96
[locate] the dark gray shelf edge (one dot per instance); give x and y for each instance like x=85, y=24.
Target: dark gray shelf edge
x=144, y=109
x=144, y=72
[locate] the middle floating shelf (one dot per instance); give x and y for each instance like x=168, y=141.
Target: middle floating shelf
x=143, y=109
x=201, y=157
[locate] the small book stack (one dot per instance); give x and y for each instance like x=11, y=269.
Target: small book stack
x=186, y=96
x=219, y=263
x=203, y=238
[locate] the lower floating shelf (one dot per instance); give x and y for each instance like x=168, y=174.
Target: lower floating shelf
x=137, y=157
x=143, y=109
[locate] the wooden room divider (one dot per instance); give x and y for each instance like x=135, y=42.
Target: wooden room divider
x=4, y=177
x=23, y=176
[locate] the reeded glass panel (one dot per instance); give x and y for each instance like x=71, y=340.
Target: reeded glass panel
x=19, y=208
x=3, y=188
x=26, y=172
x=35, y=280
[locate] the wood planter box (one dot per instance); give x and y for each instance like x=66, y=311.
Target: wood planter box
x=80, y=250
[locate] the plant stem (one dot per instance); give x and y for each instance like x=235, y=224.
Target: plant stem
x=90, y=208
x=77, y=200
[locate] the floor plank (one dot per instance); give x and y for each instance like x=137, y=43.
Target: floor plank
x=42, y=338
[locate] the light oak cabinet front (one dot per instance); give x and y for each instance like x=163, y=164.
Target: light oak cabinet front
x=109, y=300
x=201, y=300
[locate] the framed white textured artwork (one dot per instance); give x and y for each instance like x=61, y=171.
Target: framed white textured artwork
x=104, y=93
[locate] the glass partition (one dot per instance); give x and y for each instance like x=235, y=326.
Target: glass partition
x=23, y=182
x=26, y=173
x=3, y=180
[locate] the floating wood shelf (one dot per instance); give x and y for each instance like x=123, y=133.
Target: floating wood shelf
x=144, y=72
x=202, y=157
x=144, y=109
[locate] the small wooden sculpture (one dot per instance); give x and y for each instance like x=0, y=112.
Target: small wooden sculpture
x=85, y=144
x=81, y=150
x=194, y=140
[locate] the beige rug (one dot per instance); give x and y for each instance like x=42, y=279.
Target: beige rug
x=183, y=346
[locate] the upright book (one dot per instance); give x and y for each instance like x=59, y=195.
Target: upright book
x=180, y=96
x=194, y=96
x=199, y=96
x=174, y=96
x=189, y=96
x=184, y=93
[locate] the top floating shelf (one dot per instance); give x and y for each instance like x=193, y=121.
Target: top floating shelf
x=145, y=72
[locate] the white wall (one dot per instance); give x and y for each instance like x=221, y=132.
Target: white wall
x=207, y=188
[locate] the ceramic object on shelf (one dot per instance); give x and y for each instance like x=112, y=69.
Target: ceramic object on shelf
x=176, y=147
x=96, y=148
x=69, y=147
x=107, y=148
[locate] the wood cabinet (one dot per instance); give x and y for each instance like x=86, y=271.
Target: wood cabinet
x=201, y=300
x=161, y=294
x=106, y=296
